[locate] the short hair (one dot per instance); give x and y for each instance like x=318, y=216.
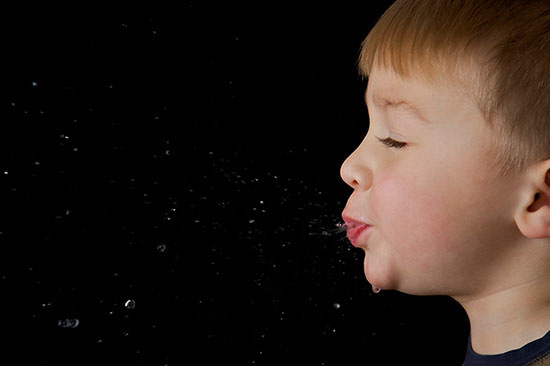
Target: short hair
x=496, y=51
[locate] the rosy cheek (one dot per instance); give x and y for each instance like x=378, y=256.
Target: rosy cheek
x=409, y=215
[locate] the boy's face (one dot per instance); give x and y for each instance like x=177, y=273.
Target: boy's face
x=441, y=223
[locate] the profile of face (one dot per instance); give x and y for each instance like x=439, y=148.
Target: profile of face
x=440, y=220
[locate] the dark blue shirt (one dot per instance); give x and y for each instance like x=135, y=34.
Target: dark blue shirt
x=536, y=353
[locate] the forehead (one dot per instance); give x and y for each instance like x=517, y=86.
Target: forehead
x=388, y=91
x=436, y=86
x=384, y=83
x=384, y=102
x=385, y=93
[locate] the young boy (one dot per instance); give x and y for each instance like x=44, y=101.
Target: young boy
x=451, y=185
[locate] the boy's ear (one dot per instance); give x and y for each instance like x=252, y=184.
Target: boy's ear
x=533, y=218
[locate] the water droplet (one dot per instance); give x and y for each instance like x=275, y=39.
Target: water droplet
x=161, y=247
x=68, y=323
x=375, y=289
x=34, y=83
x=130, y=304
x=337, y=305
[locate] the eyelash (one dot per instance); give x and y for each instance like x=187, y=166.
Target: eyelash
x=392, y=143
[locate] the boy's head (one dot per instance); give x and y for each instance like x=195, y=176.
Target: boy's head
x=463, y=207
x=495, y=52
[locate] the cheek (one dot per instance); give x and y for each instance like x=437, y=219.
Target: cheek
x=414, y=214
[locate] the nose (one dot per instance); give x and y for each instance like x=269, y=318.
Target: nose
x=355, y=172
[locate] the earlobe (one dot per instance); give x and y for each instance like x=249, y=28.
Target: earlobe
x=534, y=219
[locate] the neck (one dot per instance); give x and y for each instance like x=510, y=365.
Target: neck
x=510, y=318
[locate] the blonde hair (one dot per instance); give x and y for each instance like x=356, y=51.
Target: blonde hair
x=497, y=51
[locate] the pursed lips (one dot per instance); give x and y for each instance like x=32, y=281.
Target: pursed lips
x=354, y=229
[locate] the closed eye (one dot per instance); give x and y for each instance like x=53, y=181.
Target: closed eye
x=392, y=143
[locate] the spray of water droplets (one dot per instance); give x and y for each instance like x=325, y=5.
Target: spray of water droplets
x=340, y=231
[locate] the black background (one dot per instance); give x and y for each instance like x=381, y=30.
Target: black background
x=171, y=187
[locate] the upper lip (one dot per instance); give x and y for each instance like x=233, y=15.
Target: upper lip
x=351, y=222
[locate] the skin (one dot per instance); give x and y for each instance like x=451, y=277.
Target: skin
x=444, y=224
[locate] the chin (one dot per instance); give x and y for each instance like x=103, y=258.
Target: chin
x=373, y=278
x=365, y=271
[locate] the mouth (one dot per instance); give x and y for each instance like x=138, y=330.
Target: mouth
x=355, y=229
x=354, y=233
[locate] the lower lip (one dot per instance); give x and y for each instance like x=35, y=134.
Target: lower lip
x=355, y=233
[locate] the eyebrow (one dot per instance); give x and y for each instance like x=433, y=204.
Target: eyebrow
x=385, y=103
